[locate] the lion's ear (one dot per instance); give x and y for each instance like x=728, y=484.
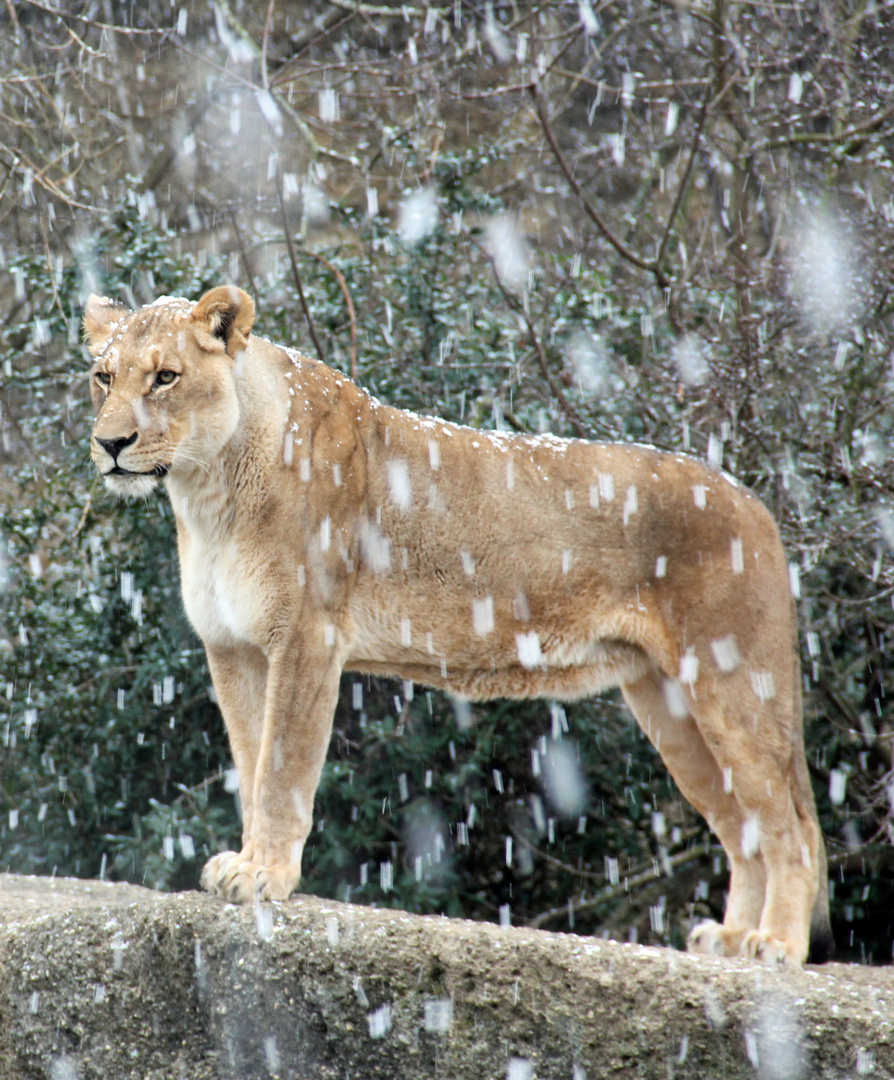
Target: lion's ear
x=101, y=316
x=226, y=313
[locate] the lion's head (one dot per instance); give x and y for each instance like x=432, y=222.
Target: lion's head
x=163, y=384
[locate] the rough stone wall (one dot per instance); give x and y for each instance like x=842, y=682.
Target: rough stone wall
x=121, y=983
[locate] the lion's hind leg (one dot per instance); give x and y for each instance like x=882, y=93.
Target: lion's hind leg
x=733, y=756
x=751, y=730
x=662, y=711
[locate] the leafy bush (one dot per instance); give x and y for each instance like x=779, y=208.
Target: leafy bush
x=114, y=760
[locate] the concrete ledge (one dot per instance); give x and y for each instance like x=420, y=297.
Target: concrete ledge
x=122, y=983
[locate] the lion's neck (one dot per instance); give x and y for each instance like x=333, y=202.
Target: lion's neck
x=203, y=500
x=207, y=498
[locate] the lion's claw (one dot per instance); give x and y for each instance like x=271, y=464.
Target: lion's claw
x=238, y=879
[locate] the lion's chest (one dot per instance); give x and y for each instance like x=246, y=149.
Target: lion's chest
x=220, y=596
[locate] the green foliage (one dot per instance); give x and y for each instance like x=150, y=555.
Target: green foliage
x=105, y=713
x=114, y=760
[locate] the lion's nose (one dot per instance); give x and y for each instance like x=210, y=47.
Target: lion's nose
x=113, y=447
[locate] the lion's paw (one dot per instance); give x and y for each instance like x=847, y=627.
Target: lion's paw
x=711, y=938
x=241, y=881
x=759, y=945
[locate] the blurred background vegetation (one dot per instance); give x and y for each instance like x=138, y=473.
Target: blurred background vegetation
x=635, y=220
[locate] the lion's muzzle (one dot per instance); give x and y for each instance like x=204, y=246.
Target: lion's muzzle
x=113, y=447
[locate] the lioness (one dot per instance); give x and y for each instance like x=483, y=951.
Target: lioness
x=321, y=531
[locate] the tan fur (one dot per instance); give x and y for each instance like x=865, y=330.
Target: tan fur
x=321, y=531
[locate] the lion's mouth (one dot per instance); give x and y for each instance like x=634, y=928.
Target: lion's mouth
x=156, y=470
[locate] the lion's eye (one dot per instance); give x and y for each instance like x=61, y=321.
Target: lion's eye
x=103, y=378
x=165, y=377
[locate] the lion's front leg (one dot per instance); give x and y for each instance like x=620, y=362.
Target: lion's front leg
x=239, y=676
x=301, y=693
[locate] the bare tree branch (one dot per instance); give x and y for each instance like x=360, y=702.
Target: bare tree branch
x=649, y=265
x=296, y=274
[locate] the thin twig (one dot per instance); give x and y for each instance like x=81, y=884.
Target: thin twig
x=684, y=180
x=828, y=138
x=243, y=254
x=403, y=11
x=80, y=525
x=128, y=31
x=14, y=19
x=515, y=87
x=574, y=419
x=39, y=175
x=50, y=274
x=612, y=892
x=295, y=272
x=590, y=210
x=264, y=41
x=349, y=303
x=334, y=23
x=576, y=871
